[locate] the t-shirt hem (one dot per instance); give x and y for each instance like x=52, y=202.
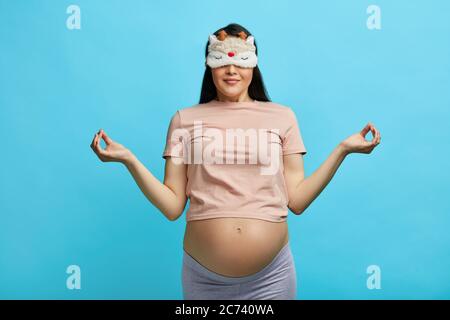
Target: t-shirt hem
x=232, y=215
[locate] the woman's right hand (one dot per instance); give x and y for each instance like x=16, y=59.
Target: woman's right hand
x=114, y=151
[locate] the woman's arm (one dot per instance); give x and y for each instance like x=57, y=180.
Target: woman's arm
x=169, y=197
x=301, y=191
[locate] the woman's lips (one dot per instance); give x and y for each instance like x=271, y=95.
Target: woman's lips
x=231, y=81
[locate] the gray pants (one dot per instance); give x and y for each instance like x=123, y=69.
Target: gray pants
x=276, y=281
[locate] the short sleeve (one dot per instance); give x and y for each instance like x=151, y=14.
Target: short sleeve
x=174, y=138
x=292, y=140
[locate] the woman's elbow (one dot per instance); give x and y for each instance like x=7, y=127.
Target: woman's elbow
x=173, y=217
x=174, y=214
x=295, y=210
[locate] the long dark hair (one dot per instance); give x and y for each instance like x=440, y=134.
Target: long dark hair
x=256, y=90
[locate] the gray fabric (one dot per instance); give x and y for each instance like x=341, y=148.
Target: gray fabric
x=276, y=281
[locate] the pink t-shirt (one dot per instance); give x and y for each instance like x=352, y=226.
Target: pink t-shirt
x=234, y=155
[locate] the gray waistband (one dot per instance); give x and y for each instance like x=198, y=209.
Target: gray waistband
x=198, y=267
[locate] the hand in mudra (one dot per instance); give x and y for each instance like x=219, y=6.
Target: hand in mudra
x=114, y=151
x=358, y=144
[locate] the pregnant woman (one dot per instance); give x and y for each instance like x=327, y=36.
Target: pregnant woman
x=238, y=157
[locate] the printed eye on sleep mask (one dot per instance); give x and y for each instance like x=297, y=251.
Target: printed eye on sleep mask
x=224, y=50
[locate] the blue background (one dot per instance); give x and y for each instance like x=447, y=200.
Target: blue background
x=134, y=63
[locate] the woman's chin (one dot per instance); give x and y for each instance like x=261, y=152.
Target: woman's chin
x=230, y=93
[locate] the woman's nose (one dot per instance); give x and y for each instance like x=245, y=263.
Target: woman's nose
x=231, y=68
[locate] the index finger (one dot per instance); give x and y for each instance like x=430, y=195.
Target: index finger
x=375, y=133
x=93, y=141
x=365, y=129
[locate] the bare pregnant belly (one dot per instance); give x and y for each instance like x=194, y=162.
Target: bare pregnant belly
x=234, y=247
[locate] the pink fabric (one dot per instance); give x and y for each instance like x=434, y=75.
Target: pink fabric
x=236, y=189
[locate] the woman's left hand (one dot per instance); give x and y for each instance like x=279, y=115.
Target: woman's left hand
x=357, y=143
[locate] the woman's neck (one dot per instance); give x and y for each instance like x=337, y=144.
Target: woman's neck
x=244, y=97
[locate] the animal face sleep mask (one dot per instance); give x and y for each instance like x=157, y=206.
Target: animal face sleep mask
x=225, y=49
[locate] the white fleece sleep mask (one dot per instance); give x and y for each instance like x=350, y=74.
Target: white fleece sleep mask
x=224, y=50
